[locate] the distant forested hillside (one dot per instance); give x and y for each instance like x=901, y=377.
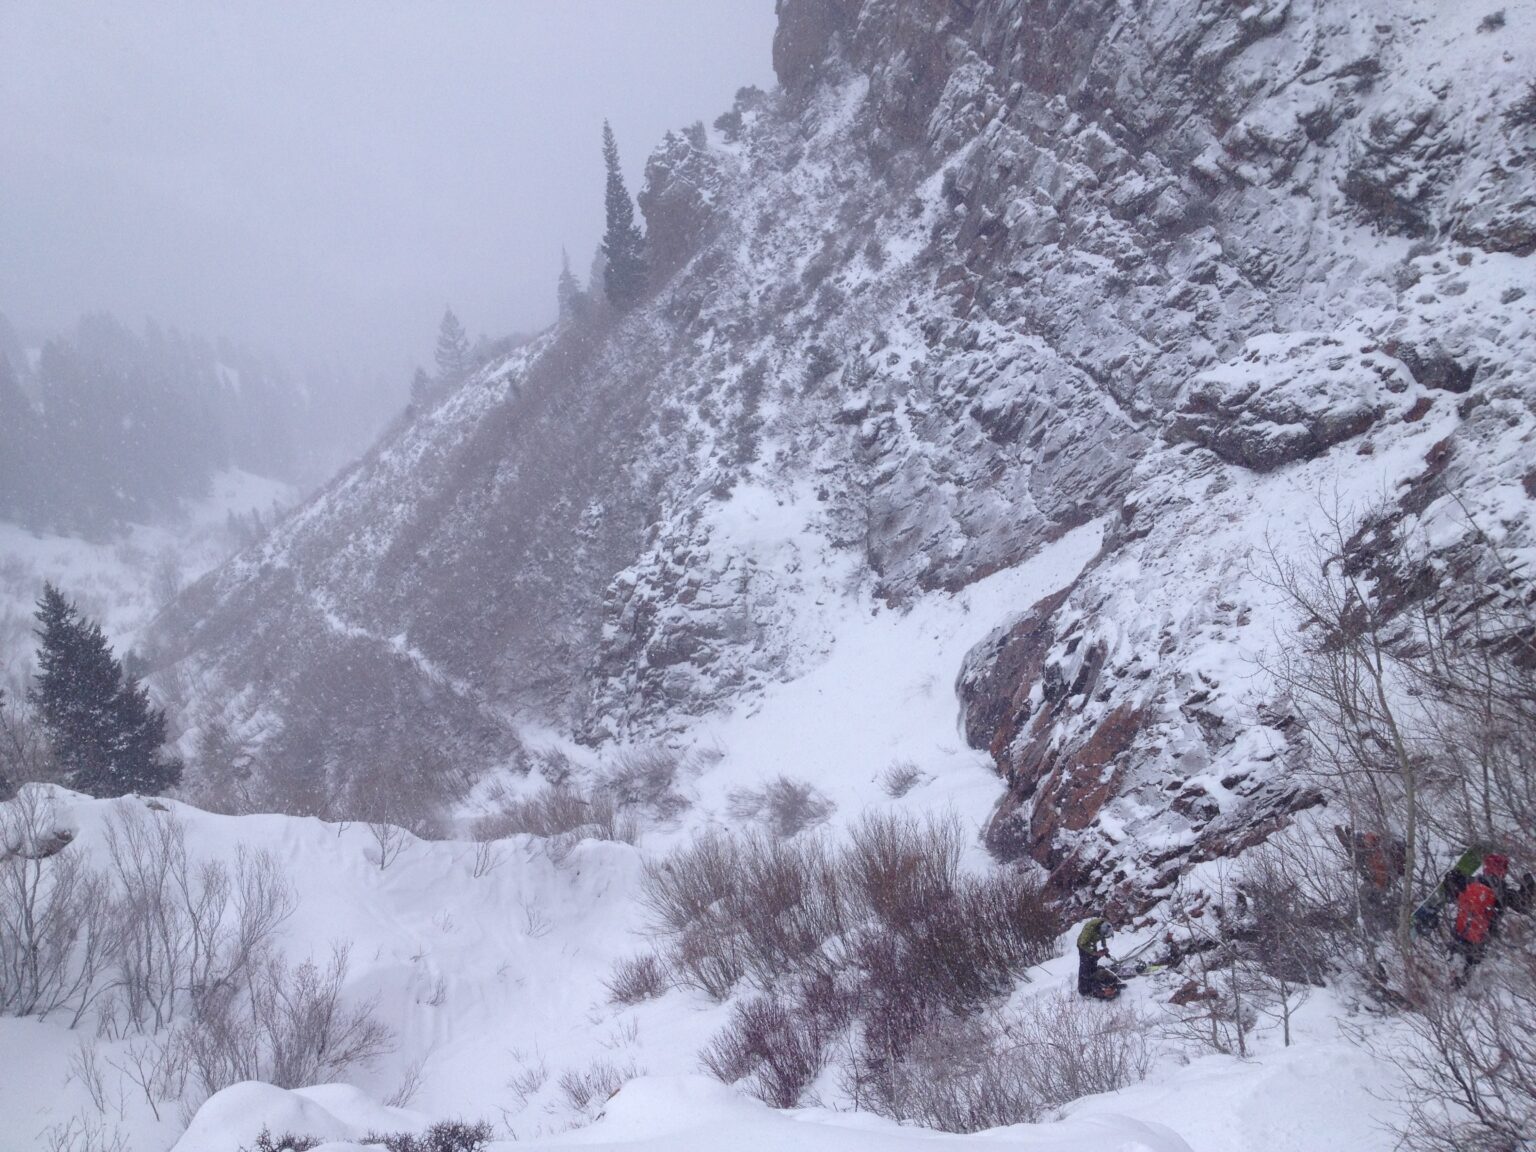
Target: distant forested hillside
x=103, y=424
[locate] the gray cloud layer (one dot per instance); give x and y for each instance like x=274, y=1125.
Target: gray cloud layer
x=321, y=177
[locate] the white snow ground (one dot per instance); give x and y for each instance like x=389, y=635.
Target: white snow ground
x=500, y=977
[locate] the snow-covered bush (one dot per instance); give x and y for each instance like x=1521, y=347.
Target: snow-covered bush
x=878, y=941
x=287, y=1026
x=770, y=1046
x=444, y=1136
x=190, y=931
x=964, y=1074
x=560, y=815
x=783, y=805
x=176, y=957
x=587, y=1089
x=60, y=927
x=636, y=979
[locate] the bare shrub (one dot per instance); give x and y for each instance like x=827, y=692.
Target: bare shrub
x=770, y=1048
x=528, y=1081
x=83, y=1133
x=966, y=1074
x=885, y=937
x=636, y=979
x=560, y=815
x=287, y=1026
x=1075, y=1047
x=1298, y=924
x=59, y=926
x=487, y=856
x=158, y=1070
x=687, y=887
x=25, y=757
x=785, y=807
x=707, y=957
x=785, y=905
x=588, y=1089
x=284, y=1142
x=900, y=778
x=897, y=868
x=389, y=840
x=187, y=933
x=1469, y=1080
x=645, y=779
x=444, y=1136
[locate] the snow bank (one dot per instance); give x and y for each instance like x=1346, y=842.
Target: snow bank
x=679, y=1114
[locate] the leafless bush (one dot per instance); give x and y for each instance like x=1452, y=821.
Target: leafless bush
x=157, y=1069
x=85, y=1069
x=900, y=778
x=25, y=756
x=786, y=903
x=784, y=806
x=687, y=887
x=59, y=926
x=528, y=1081
x=897, y=868
x=410, y=1084
x=189, y=932
x=83, y=1134
x=444, y=1136
x=560, y=815
x=645, y=779
x=965, y=1074
x=487, y=856
x=1075, y=1047
x=288, y=1026
x=389, y=840
x=1298, y=924
x=770, y=1048
x=886, y=934
x=588, y=1089
x=707, y=957
x=636, y=979
x=1469, y=1080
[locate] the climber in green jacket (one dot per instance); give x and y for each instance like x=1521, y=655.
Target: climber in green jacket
x=1092, y=947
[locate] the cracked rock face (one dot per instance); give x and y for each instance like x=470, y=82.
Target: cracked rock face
x=974, y=274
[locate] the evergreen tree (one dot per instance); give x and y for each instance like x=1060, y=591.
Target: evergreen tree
x=573, y=301
x=106, y=735
x=421, y=384
x=623, y=243
x=452, y=348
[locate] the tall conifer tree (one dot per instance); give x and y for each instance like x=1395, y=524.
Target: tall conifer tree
x=104, y=731
x=623, y=243
x=568, y=290
x=452, y=348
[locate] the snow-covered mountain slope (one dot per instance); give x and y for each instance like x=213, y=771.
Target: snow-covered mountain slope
x=974, y=275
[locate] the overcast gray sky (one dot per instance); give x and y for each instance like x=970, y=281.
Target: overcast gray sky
x=319, y=177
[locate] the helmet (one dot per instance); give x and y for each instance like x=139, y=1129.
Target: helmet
x=1496, y=864
x=1105, y=927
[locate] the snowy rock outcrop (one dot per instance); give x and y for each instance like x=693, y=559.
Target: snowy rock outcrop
x=976, y=273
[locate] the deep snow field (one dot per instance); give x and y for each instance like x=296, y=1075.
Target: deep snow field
x=494, y=984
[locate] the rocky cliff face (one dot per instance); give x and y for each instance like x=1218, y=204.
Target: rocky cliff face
x=974, y=274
